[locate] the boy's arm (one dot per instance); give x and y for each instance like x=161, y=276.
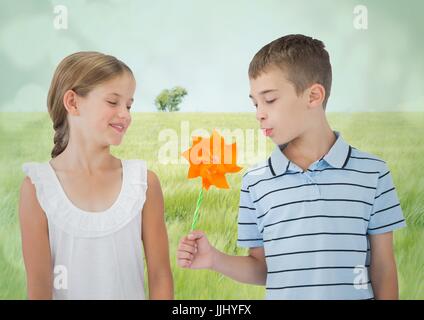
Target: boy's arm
x=196, y=252
x=383, y=267
x=248, y=269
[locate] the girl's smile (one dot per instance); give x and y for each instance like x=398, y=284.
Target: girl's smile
x=120, y=128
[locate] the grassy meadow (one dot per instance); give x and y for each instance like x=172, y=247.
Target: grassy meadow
x=395, y=137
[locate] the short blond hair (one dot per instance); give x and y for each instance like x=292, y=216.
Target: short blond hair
x=304, y=60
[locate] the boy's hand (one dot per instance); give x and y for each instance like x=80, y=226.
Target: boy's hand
x=195, y=251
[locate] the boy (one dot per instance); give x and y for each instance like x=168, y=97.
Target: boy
x=318, y=215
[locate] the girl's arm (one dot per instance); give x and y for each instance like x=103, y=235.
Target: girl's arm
x=155, y=241
x=35, y=243
x=383, y=267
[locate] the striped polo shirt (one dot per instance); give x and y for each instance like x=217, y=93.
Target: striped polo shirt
x=314, y=224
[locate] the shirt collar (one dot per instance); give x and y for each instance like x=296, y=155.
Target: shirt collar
x=337, y=156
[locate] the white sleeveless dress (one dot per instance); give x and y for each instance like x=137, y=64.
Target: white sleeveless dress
x=95, y=255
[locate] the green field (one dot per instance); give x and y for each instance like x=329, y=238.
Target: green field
x=395, y=137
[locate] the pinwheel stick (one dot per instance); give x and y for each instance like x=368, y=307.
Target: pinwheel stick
x=196, y=211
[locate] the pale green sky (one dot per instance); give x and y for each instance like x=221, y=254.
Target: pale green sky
x=206, y=46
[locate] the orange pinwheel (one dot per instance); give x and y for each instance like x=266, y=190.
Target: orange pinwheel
x=210, y=158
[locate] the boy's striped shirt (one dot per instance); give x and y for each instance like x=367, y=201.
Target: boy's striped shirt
x=314, y=225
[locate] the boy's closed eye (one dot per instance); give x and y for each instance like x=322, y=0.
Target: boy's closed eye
x=270, y=101
x=270, y=97
x=267, y=101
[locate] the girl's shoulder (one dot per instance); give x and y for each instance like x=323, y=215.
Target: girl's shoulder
x=35, y=172
x=31, y=201
x=138, y=172
x=135, y=170
x=28, y=194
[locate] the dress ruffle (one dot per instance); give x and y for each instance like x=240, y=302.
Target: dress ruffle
x=62, y=213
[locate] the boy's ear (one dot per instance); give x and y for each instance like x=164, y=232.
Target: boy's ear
x=70, y=102
x=316, y=95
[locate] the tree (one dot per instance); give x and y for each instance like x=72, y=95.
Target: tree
x=168, y=100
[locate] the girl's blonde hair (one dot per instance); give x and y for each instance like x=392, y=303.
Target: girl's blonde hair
x=80, y=72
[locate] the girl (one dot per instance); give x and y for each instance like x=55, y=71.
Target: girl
x=85, y=215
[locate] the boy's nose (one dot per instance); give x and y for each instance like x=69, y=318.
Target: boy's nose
x=260, y=115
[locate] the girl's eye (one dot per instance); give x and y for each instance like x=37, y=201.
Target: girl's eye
x=270, y=101
x=113, y=103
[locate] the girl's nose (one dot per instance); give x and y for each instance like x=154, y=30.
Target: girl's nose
x=124, y=112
